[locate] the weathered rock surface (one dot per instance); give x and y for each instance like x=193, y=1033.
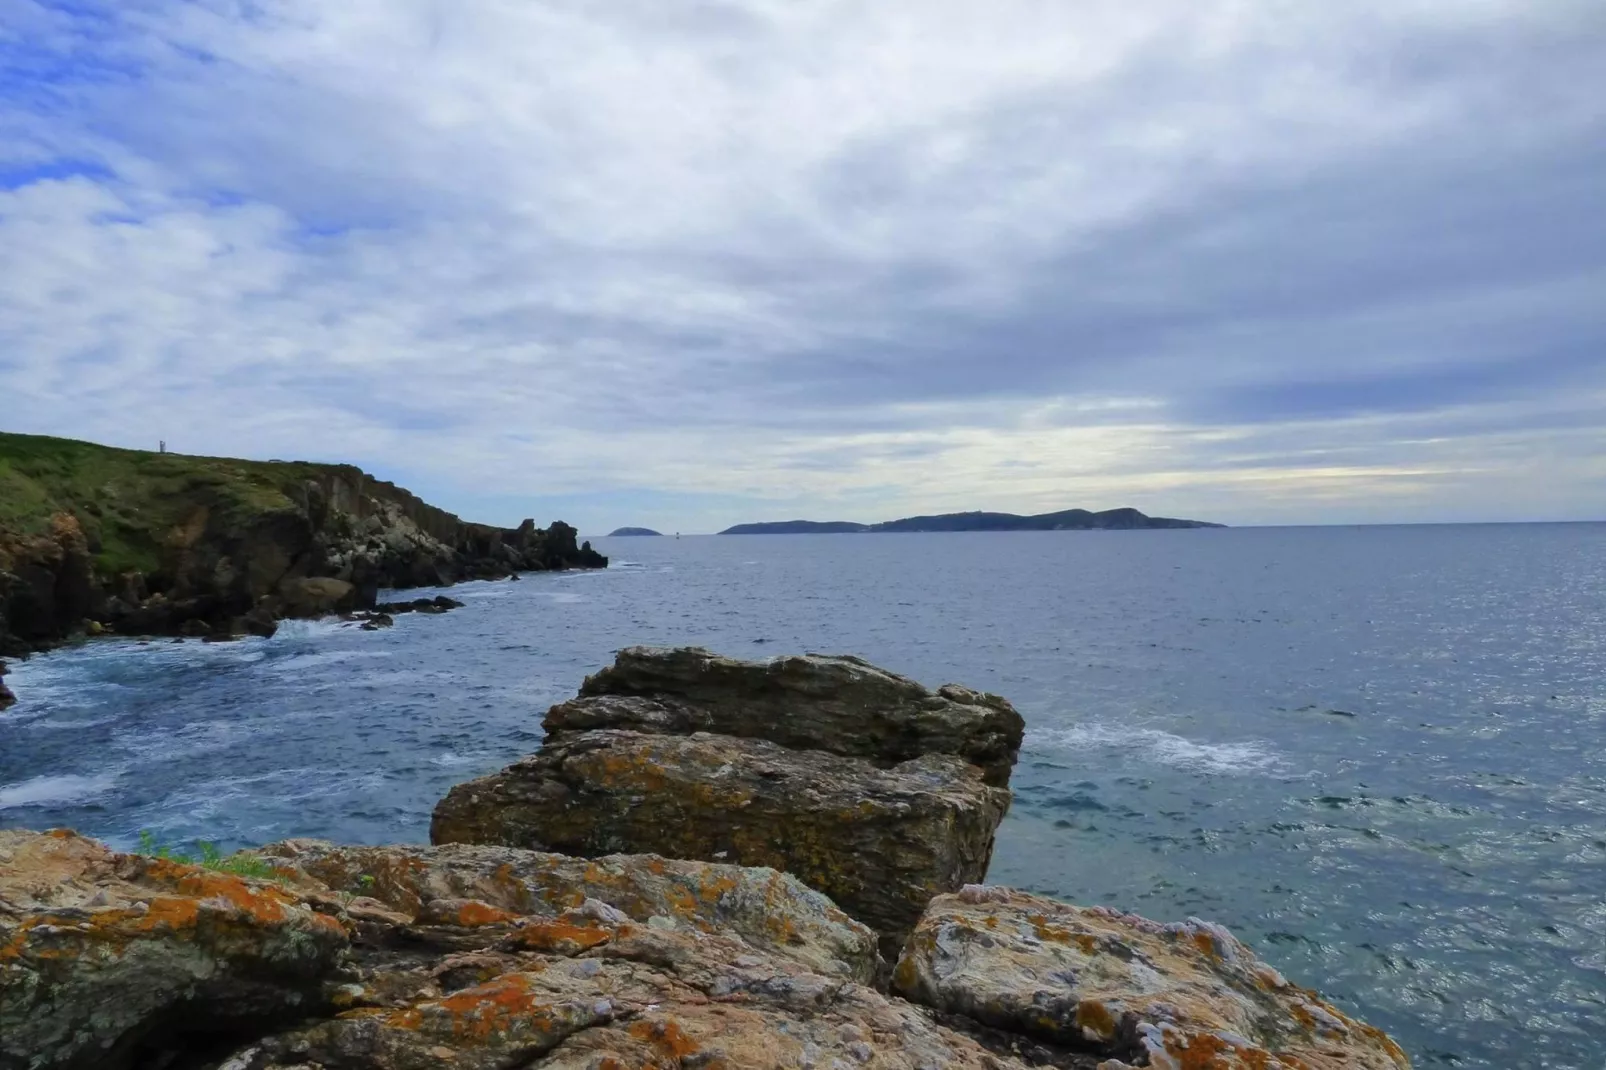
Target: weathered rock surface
x=1185, y=996
x=839, y=704
x=457, y=957
x=106, y=959
x=773, y=912
x=880, y=842
x=865, y=784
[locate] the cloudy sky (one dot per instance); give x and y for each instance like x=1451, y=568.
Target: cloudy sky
x=692, y=262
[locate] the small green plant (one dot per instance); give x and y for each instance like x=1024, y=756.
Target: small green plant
x=365, y=884
x=240, y=865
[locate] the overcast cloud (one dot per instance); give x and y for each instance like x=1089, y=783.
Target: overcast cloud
x=693, y=263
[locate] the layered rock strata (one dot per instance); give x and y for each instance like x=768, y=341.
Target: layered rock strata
x=864, y=784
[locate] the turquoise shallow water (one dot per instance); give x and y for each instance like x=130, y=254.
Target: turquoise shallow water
x=1377, y=754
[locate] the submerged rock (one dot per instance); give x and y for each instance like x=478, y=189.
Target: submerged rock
x=864, y=784
x=1099, y=982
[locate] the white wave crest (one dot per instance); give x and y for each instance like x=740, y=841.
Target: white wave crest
x=55, y=789
x=1162, y=748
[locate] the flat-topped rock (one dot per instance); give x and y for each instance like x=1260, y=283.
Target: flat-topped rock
x=1097, y=982
x=879, y=841
x=839, y=704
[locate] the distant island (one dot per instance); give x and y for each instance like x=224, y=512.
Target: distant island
x=798, y=527
x=1065, y=520
x=621, y=532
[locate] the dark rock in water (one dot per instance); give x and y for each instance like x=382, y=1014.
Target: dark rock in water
x=195, y=628
x=373, y=622
x=813, y=765
x=7, y=697
x=438, y=604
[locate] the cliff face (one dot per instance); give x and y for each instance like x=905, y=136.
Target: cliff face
x=127, y=541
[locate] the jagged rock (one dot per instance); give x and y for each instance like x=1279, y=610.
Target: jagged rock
x=7, y=697
x=839, y=704
x=772, y=911
x=1096, y=982
x=880, y=842
x=107, y=959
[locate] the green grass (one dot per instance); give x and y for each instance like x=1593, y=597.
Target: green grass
x=240, y=865
x=129, y=502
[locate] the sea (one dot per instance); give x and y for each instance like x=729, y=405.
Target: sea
x=1377, y=754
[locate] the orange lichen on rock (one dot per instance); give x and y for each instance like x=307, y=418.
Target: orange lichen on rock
x=666, y=1037
x=1195, y=997
x=557, y=936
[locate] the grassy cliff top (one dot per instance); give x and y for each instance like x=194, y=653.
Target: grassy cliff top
x=129, y=500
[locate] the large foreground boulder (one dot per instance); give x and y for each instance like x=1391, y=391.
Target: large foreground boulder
x=1102, y=983
x=469, y=958
x=109, y=960
x=864, y=784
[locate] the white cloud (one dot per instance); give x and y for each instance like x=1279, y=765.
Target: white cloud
x=1016, y=254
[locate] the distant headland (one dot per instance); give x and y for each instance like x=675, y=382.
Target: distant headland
x=1065, y=520
x=96, y=540
x=622, y=532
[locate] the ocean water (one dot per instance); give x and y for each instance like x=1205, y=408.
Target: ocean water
x=1377, y=754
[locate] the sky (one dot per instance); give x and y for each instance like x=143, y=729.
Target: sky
x=689, y=263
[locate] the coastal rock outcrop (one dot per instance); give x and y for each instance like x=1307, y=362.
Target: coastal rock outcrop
x=864, y=784
x=471, y=958
x=1099, y=982
x=453, y=957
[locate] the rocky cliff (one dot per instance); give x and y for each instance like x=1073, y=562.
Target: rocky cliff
x=125, y=541
x=306, y=955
